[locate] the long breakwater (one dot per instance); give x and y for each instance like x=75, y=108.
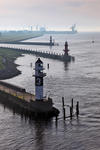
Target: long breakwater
x=45, y=54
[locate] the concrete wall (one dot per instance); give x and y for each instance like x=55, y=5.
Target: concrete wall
x=34, y=108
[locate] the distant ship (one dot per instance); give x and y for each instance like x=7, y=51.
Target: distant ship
x=72, y=31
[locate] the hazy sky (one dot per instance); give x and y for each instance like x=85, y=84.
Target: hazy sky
x=51, y=13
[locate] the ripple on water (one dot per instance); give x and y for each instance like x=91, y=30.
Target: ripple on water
x=79, y=80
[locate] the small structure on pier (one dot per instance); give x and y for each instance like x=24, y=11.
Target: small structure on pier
x=66, y=50
x=66, y=57
x=39, y=79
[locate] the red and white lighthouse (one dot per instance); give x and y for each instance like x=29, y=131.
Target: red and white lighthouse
x=39, y=79
x=66, y=50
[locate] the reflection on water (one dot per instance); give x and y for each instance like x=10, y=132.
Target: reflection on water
x=79, y=80
x=66, y=64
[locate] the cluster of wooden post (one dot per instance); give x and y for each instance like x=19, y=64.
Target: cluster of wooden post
x=71, y=109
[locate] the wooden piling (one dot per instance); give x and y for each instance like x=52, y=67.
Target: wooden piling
x=77, y=109
x=71, y=112
x=48, y=66
x=63, y=102
x=72, y=104
x=64, y=116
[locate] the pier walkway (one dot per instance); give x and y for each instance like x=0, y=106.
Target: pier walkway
x=30, y=43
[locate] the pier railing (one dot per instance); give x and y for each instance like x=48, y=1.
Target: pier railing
x=36, y=52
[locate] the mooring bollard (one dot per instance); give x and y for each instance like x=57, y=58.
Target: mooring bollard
x=77, y=109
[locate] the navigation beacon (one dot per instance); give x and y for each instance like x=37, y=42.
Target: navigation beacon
x=39, y=79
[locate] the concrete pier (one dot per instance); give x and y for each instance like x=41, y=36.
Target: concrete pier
x=46, y=54
x=30, y=43
x=24, y=102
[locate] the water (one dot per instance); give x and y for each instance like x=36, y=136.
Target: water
x=79, y=80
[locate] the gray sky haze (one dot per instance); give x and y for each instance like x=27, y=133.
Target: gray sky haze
x=53, y=14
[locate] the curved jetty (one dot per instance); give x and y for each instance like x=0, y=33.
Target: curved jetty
x=20, y=100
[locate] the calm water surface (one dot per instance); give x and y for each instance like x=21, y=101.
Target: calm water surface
x=79, y=80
